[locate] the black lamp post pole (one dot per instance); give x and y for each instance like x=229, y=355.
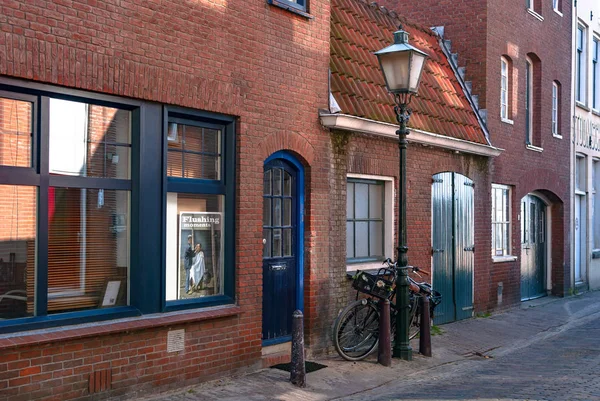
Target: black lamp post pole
x=402, y=347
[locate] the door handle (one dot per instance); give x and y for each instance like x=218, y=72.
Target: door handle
x=469, y=248
x=436, y=251
x=277, y=267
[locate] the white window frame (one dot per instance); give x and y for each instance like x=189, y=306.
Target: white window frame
x=504, y=90
x=595, y=72
x=580, y=65
x=529, y=100
x=507, y=257
x=556, y=6
x=388, y=217
x=555, y=109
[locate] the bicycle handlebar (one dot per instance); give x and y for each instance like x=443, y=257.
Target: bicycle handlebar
x=414, y=269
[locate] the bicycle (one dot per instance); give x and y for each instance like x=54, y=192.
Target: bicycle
x=356, y=329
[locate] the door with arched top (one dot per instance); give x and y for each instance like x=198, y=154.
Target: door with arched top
x=282, y=247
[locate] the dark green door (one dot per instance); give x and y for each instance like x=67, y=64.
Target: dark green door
x=453, y=245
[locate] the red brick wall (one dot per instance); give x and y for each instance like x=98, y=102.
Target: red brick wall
x=481, y=33
x=379, y=156
x=260, y=63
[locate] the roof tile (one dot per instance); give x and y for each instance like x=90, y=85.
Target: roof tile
x=359, y=29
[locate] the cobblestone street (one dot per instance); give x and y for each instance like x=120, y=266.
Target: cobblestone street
x=549, y=349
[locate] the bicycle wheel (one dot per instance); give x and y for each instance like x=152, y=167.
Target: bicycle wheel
x=356, y=330
x=413, y=319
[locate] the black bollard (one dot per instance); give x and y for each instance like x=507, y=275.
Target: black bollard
x=425, y=329
x=384, y=352
x=298, y=368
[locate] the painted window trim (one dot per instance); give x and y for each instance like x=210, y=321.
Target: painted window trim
x=38, y=176
x=556, y=8
x=505, y=102
x=535, y=14
x=292, y=7
x=224, y=186
x=581, y=98
x=389, y=228
x=505, y=258
x=556, y=111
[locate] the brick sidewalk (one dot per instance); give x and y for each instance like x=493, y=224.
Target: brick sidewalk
x=460, y=343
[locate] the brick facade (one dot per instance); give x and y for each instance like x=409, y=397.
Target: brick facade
x=262, y=64
x=481, y=33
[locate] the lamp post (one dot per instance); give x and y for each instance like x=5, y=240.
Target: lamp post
x=402, y=65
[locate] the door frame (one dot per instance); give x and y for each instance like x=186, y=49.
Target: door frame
x=299, y=248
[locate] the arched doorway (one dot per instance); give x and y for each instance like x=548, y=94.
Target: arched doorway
x=283, y=245
x=533, y=247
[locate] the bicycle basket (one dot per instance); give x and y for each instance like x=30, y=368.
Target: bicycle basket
x=372, y=285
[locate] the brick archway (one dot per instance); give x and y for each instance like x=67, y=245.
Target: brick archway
x=286, y=141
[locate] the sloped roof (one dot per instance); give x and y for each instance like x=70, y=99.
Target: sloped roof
x=358, y=30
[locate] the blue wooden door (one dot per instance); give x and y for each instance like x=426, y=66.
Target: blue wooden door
x=533, y=248
x=280, y=262
x=452, y=240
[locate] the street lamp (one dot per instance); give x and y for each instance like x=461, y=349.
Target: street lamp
x=402, y=65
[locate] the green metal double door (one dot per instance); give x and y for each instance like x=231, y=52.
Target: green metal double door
x=453, y=245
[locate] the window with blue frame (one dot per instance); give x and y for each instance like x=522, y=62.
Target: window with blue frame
x=365, y=220
x=65, y=184
x=199, y=208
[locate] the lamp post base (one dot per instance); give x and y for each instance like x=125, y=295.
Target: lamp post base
x=404, y=353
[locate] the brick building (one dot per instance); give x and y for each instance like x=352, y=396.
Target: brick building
x=140, y=144
x=448, y=162
x=585, y=137
x=512, y=54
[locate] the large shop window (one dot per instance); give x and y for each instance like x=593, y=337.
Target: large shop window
x=64, y=240
x=199, y=209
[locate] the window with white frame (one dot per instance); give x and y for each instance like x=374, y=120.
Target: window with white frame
x=528, y=102
x=556, y=108
x=369, y=219
x=580, y=77
x=596, y=202
x=504, y=89
x=557, y=6
x=500, y=220
x=595, y=74
x=535, y=6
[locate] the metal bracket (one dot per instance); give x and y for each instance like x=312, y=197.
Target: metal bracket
x=469, y=248
x=436, y=251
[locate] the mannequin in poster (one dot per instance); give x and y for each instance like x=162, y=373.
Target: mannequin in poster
x=188, y=262
x=198, y=267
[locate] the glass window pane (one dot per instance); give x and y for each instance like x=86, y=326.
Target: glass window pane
x=198, y=148
x=350, y=201
x=376, y=238
x=18, y=208
x=277, y=181
x=287, y=212
x=362, y=239
x=287, y=184
x=375, y=201
x=266, y=211
x=287, y=242
x=16, y=131
x=361, y=201
x=89, y=140
x=195, y=246
x=277, y=242
x=267, y=182
x=88, y=248
x=349, y=240
x=267, y=243
x=277, y=212
x=494, y=240
x=505, y=239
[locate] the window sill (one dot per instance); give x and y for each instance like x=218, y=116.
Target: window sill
x=536, y=15
x=63, y=333
x=596, y=112
x=534, y=148
x=501, y=259
x=557, y=136
x=558, y=12
x=507, y=121
x=286, y=6
x=351, y=269
x=582, y=105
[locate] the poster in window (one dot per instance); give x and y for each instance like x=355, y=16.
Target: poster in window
x=200, y=236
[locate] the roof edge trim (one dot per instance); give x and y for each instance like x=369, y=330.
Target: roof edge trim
x=363, y=125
